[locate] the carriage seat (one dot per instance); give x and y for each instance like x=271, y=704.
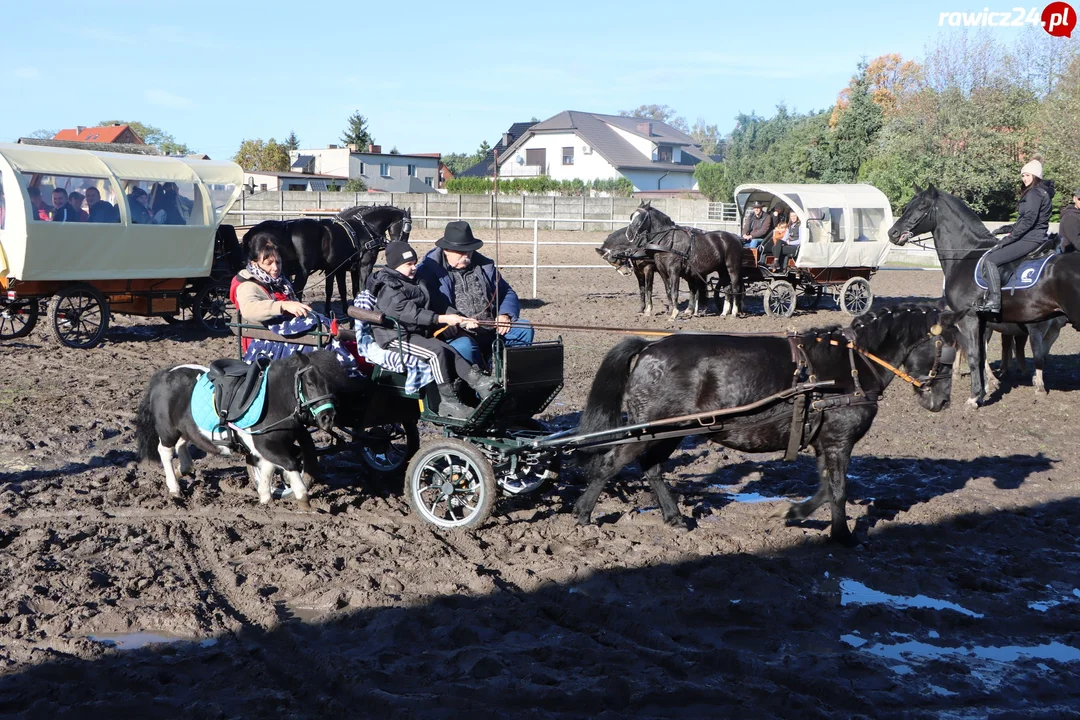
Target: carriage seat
x=236, y=386
x=750, y=257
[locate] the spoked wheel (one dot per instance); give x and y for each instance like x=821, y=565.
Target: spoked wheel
x=451, y=484
x=78, y=316
x=780, y=299
x=185, y=310
x=391, y=447
x=856, y=296
x=214, y=309
x=18, y=317
x=812, y=296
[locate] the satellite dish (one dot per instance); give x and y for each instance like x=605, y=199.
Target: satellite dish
x=519, y=160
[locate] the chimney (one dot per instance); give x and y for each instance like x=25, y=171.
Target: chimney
x=331, y=147
x=352, y=147
x=374, y=149
x=508, y=140
x=645, y=128
x=79, y=129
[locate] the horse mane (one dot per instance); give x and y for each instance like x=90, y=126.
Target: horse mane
x=971, y=220
x=904, y=324
x=363, y=210
x=325, y=363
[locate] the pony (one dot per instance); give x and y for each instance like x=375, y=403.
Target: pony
x=960, y=240
x=615, y=250
x=691, y=254
x=691, y=373
x=300, y=389
x=348, y=242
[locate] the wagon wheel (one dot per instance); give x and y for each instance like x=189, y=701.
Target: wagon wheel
x=780, y=299
x=394, y=444
x=18, y=317
x=78, y=316
x=856, y=296
x=451, y=484
x=185, y=309
x=213, y=309
x=525, y=477
x=812, y=296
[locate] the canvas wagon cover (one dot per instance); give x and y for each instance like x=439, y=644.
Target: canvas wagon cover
x=853, y=235
x=32, y=250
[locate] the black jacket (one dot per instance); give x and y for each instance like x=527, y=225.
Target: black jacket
x=761, y=227
x=104, y=212
x=403, y=299
x=1069, y=230
x=64, y=214
x=1032, y=216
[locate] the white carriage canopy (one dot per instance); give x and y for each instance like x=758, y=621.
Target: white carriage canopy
x=847, y=224
x=130, y=217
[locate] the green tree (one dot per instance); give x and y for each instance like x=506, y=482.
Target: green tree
x=256, y=156
x=395, y=151
x=356, y=185
x=663, y=113
x=481, y=152
x=43, y=134
x=710, y=180
x=292, y=142
x=707, y=136
x=356, y=132
x=151, y=135
x=849, y=142
x=458, y=162
x=1056, y=126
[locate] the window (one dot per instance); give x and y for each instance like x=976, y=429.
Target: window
x=536, y=157
x=363, y=169
x=161, y=202
x=64, y=198
x=384, y=169
x=297, y=186
x=868, y=224
x=663, y=154
x=427, y=181
x=412, y=171
x=568, y=156
x=220, y=194
x=262, y=187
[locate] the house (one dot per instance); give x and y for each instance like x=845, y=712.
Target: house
x=108, y=134
x=444, y=172
x=273, y=181
x=486, y=167
x=653, y=155
x=381, y=172
x=132, y=148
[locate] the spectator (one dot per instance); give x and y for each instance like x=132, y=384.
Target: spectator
x=75, y=199
x=139, y=204
x=100, y=211
x=38, y=209
x=62, y=210
x=1069, y=229
x=788, y=246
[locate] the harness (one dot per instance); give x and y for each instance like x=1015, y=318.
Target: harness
x=306, y=410
x=653, y=238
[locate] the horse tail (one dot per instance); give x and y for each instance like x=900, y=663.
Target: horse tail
x=146, y=434
x=604, y=406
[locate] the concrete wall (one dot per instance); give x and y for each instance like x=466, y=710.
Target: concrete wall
x=558, y=213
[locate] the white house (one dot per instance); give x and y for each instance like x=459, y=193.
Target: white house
x=590, y=146
x=266, y=181
x=381, y=172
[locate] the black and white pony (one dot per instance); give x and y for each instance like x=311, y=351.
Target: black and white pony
x=300, y=390
x=615, y=250
x=681, y=252
x=691, y=373
x=346, y=243
x=960, y=239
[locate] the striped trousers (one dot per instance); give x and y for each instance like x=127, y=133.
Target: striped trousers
x=446, y=364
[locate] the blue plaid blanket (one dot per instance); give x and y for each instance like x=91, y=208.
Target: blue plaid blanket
x=298, y=326
x=417, y=371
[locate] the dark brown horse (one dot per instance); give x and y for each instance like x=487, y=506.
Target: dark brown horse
x=616, y=250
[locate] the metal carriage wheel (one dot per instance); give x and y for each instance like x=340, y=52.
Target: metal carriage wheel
x=390, y=448
x=78, y=316
x=450, y=484
x=856, y=297
x=214, y=309
x=780, y=299
x=18, y=317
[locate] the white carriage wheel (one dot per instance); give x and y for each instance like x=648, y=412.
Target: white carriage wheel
x=856, y=297
x=780, y=299
x=450, y=484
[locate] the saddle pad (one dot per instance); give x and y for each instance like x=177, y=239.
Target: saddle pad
x=205, y=414
x=1024, y=277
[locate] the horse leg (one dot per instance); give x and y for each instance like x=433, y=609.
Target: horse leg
x=806, y=508
x=639, y=273
x=1041, y=342
x=651, y=460
x=602, y=470
x=836, y=463
x=969, y=338
x=187, y=467
x=166, y=454
x=650, y=275
x=343, y=290
x=263, y=470
x=990, y=382
x=312, y=471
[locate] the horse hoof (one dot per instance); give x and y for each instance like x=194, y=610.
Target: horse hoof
x=304, y=505
x=678, y=522
x=972, y=403
x=584, y=519
x=845, y=538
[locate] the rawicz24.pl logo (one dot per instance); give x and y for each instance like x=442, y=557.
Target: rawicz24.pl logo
x=1057, y=18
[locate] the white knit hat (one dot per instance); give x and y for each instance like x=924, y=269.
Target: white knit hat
x=1033, y=167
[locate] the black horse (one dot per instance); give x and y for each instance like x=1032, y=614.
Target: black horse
x=349, y=241
x=691, y=373
x=299, y=389
x=227, y=247
x=616, y=251
x=960, y=239
x=681, y=252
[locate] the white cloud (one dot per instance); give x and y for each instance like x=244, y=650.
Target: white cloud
x=166, y=99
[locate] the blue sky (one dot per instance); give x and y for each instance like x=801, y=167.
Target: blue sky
x=432, y=76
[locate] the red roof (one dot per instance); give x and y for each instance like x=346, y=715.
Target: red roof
x=108, y=134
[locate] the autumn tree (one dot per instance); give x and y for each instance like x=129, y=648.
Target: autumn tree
x=891, y=79
x=661, y=113
x=151, y=135
x=257, y=156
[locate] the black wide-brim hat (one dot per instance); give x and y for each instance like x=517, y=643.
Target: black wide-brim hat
x=458, y=237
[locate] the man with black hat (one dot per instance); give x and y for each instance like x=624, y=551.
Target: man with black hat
x=398, y=295
x=460, y=280
x=1069, y=229
x=760, y=226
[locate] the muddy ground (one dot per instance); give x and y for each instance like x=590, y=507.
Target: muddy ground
x=963, y=600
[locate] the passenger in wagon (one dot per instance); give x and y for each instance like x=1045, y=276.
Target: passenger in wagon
x=38, y=209
x=62, y=210
x=75, y=199
x=100, y=211
x=760, y=226
x=139, y=204
x=788, y=246
x=167, y=200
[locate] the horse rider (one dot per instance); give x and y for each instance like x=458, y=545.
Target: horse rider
x=399, y=295
x=1025, y=235
x=461, y=281
x=1069, y=229
x=759, y=227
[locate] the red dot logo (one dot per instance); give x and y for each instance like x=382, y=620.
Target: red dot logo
x=1059, y=19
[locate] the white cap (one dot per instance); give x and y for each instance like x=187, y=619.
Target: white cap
x=1033, y=167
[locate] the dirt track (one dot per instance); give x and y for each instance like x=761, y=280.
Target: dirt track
x=360, y=610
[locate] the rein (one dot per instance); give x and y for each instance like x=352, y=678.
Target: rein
x=321, y=404
x=942, y=356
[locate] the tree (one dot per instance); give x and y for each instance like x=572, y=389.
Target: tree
x=151, y=135
x=481, y=152
x=710, y=180
x=1056, y=127
x=662, y=113
x=356, y=132
x=356, y=185
x=395, y=151
x=458, y=162
x=43, y=134
x=891, y=80
x=292, y=142
x=849, y=142
x=256, y=156
x=707, y=136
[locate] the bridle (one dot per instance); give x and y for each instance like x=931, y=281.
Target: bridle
x=307, y=409
x=908, y=234
x=944, y=358
x=373, y=243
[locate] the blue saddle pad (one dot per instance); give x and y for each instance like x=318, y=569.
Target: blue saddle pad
x=205, y=415
x=1024, y=277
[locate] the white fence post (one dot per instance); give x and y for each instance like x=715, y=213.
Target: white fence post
x=536, y=255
